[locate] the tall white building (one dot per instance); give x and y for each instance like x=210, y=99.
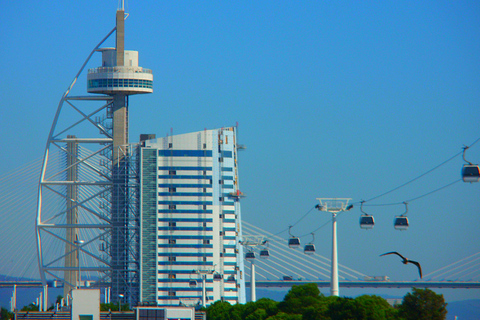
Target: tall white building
x=190, y=219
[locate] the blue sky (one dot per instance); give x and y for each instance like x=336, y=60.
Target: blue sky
x=333, y=99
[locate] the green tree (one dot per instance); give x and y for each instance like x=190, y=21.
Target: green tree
x=285, y=316
x=300, y=299
x=423, y=304
x=30, y=307
x=343, y=309
x=265, y=304
x=219, y=310
x=5, y=314
x=375, y=308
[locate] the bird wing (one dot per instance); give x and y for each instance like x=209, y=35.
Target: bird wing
x=418, y=265
x=393, y=252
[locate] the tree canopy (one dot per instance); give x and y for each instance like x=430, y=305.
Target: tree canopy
x=305, y=302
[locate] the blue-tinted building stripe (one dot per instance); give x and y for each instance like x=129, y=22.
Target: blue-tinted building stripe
x=186, y=237
x=226, y=154
x=227, y=178
x=185, y=263
x=184, y=185
x=184, y=194
x=191, y=203
x=184, y=254
x=186, y=211
x=183, y=220
x=185, y=153
x=229, y=169
x=184, y=229
x=176, y=177
x=186, y=246
x=187, y=168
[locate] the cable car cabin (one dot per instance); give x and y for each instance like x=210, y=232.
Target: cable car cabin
x=217, y=276
x=309, y=249
x=401, y=223
x=470, y=173
x=250, y=255
x=366, y=221
x=264, y=254
x=192, y=283
x=294, y=242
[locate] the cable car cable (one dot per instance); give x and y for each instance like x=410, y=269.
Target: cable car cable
x=414, y=179
x=293, y=225
x=420, y=176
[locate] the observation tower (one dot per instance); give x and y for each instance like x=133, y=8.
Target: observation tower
x=119, y=76
x=88, y=196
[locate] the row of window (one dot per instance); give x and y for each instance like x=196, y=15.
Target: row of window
x=120, y=83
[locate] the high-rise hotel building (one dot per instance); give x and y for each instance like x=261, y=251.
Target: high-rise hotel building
x=190, y=219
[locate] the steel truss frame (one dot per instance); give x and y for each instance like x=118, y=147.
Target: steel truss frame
x=74, y=219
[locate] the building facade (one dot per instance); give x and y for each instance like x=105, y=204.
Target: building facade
x=190, y=220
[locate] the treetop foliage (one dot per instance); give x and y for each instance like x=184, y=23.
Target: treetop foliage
x=305, y=302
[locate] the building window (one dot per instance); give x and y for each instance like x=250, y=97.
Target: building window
x=170, y=145
x=172, y=241
x=171, y=259
x=204, y=190
x=204, y=224
x=204, y=259
x=204, y=172
x=204, y=207
x=172, y=172
x=172, y=206
x=204, y=146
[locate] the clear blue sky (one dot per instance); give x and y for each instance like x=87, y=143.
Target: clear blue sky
x=333, y=99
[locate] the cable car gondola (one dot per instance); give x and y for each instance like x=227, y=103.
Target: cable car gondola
x=293, y=242
x=401, y=222
x=250, y=255
x=366, y=221
x=264, y=253
x=310, y=247
x=470, y=171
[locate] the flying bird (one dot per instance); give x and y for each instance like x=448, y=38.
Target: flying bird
x=405, y=261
